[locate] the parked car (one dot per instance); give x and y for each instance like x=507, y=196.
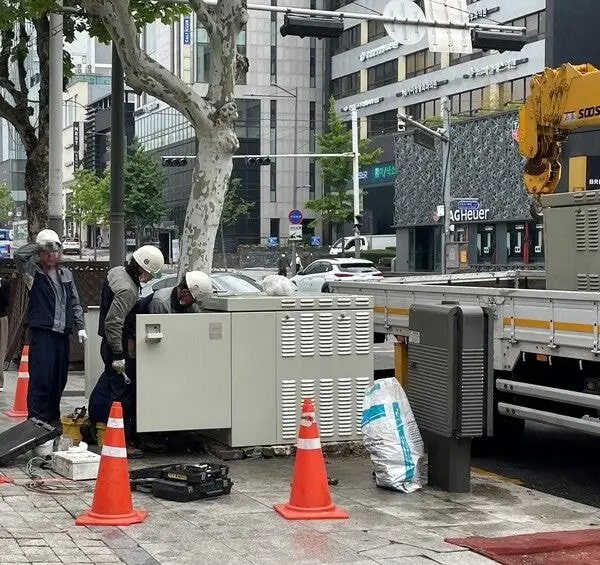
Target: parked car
x=71, y=246
x=224, y=283
x=317, y=276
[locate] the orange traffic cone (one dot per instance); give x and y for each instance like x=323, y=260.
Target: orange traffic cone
x=310, y=498
x=19, y=409
x=112, y=504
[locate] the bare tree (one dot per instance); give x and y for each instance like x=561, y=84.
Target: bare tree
x=212, y=117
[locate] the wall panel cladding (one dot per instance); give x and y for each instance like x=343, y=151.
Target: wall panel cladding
x=485, y=164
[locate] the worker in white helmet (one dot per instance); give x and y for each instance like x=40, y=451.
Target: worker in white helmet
x=120, y=293
x=186, y=297
x=53, y=314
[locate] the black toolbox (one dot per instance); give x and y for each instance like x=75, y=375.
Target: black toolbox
x=183, y=483
x=24, y=437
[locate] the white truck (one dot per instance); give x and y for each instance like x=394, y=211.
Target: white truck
x=346, y=244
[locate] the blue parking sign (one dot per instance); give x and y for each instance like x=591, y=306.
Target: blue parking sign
x=272, y=241
x=315, y=240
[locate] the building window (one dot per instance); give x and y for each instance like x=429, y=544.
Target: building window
x=312, y=117
x=384, y=122
x=430, y=110
x=376, y=30
x=457, y=58
x=273, y=182
x=348, y=40
x=514, y=91
x=422, y=62
x=469, y=103
x=534, y=24
x=346, y=85
x=313, y=62
x=312, y=180
x=382, y=74
x=273, y=131
x=515, y=242
x=486, y=244
x=274, y=33
x=203, y=54
x=274, y=228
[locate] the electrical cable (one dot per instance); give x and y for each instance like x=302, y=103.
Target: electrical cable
x=49, y=485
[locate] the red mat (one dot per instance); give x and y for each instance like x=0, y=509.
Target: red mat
x=580, y=547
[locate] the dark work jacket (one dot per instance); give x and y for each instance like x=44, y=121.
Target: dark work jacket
x=5, y=285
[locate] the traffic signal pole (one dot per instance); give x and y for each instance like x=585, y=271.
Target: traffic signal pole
x=355, y=183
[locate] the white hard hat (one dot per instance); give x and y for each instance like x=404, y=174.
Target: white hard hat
x=48, y=238
x=199, y=284
x=150, y=259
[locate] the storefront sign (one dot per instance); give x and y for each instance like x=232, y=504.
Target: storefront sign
x=363, y=104
x=187, y=30
x=76, y=147
x=593, y=171
x=462, y=216
x=418, y=88
x=494, y=68
x=378, y=174
x=378, y=51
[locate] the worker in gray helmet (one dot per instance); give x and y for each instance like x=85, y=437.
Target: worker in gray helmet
x=120, y=294
x=53, y=314
x=186, y=297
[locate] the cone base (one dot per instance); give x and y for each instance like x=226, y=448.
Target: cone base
x=16, y=414
x=294, y=513
x=91, y=518
x=4, y=479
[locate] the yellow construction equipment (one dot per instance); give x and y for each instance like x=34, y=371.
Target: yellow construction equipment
x=561, y=100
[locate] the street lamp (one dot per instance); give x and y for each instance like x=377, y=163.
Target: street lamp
x=294, y=95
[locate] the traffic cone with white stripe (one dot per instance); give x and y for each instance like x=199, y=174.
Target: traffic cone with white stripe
x=112, y=504
x=310, y=498
x=19, y=409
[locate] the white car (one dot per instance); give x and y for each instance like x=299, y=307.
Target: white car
x=317, y=276
x=71, y=246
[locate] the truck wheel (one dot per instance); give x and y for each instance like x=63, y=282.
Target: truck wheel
x=378, y=337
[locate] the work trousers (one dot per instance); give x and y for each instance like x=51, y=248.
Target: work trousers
x=111, y=387
x=48, y=372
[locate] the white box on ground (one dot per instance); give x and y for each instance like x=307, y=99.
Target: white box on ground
x=76, y=465
x=295, y=232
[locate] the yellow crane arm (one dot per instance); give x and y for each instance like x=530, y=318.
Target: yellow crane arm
x=561, y=100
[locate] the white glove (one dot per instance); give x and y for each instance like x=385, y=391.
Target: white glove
x=119, y=366
x=82, y=335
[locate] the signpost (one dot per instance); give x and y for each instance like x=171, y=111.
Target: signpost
x=295, y=217
x=295, y=233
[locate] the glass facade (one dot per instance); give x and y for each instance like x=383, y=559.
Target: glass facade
x=203, y=54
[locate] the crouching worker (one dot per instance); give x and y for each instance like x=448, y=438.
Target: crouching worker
x=53, y=313
x=120, y=293
x=186, y=297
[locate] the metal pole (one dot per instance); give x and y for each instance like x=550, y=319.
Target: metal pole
x=446, y=166
x=55, y=176
x=295, y=192
x=355, y=181
x=117, y=162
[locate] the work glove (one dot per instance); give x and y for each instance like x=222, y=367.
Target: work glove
x=82, y=335
x=119, y=366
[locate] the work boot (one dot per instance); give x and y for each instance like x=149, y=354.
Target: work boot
x=134, y=453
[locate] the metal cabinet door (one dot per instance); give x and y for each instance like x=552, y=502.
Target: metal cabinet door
x=183, y=371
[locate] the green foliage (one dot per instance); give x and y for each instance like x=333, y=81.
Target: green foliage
x=337, y=171
x=145, y=180
x=335, y=207
x=89, y=202
x=6, y=203
x=234, y=206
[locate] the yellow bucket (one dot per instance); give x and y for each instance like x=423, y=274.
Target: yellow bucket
x=71, y=428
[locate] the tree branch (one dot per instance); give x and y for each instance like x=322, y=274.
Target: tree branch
x=143, y=73
x=20, y=60
x=204, y=14
x=42, y=45
x=7, y=37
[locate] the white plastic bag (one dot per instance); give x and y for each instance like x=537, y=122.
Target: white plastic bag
x=277, y=285
x=391, y=436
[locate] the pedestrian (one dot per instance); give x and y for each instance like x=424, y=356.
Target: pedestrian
x=282, y=265
x=298, y=263
x=53, y=313
x=186, y=297
x=120, y=292
x=5, y=285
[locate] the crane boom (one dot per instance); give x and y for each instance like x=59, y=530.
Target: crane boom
x=561, y=100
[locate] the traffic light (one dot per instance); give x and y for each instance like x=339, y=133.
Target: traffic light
x=497, y=40
x=258, y=161
x=174, y=161
x=311, y=26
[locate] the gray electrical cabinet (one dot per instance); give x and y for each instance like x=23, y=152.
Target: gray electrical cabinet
x=448, y=386
x=239, y=370
x=572, y=238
